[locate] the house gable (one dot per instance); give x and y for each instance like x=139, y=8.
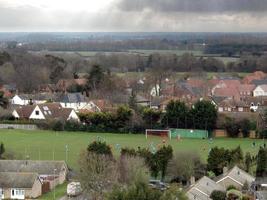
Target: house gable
x=16, y=100
x=37, y=113
x=73, y=116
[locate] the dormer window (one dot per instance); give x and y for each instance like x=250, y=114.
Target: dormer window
x=37, y=112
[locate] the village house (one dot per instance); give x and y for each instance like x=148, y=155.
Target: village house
x=74, y=101
x=246, y=90
x=28, y=99
x=202, y=189
x=45, y=112
x=236, y=177
x=26, y=179
x=258, y=75
x=260, y=91
x=15, y=185
x=231, y=105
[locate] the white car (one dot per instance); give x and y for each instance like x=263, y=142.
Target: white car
x=74, y=189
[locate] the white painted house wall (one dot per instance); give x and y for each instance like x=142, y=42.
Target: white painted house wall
x=16, y=100
x=15, y=114
x=75, y=106
x=37, y=114
x=259, y=91
x=73, y=116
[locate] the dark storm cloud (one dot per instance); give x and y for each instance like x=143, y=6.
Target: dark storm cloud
x=196, y=6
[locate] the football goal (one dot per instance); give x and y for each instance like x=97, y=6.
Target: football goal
x=158, y=132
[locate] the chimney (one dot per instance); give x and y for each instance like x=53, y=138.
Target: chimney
x=225, y=170
x=192, y=180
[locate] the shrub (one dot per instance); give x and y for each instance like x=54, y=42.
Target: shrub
x=231, y=187
x=58, y=125
x=74, y=126
x=218, y=195
x=128, y=152
x=99, y=147
x=232, y=127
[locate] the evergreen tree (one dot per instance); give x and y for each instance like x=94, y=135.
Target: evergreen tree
x=248, y=161
x=3, y=100
x=2, y=150
x=96, y=77
x=204, y=115
x=261, y=170
x=176, y=116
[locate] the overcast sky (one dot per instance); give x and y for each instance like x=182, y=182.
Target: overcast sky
x=134, y=15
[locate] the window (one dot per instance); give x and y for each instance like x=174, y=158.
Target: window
x=37, y=112
x=17, y=194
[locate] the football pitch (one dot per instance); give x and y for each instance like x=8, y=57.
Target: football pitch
x=50, y=145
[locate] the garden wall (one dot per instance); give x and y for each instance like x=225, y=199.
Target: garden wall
x=18, y=126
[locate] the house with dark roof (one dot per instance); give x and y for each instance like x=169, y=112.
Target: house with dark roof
x=46, y=111
x=75, y=101
x=15, y=185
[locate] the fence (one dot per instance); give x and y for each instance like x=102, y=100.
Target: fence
x=189, y=133
x=18, y=126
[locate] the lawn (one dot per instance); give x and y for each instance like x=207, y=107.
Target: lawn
x=59, y=192
x=49, y=145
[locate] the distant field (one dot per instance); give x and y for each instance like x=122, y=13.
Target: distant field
x=41, y=144
x=181, y=74
x=88, y=54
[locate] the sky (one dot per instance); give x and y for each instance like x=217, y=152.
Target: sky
x=134, y=15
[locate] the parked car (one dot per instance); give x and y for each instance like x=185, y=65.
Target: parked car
x=74, y=189
x=159, y=185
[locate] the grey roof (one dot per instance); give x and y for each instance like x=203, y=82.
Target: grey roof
x=238, y=175
x=206, y=186
x=259, y=82
x=17, y=180
x=141, y=99
x=38, y=96
x=261, y=180
x=72, y=98
x=261, y=195
x=194, y=194
x=193, y=90
x=218, y=99
x=30, y=166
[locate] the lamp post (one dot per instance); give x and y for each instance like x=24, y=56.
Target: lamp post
x=55, y=184
x=66, y=152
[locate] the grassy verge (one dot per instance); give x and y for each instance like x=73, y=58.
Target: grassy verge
x=60, y=191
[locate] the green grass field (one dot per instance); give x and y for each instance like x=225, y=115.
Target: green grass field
x=49, y=145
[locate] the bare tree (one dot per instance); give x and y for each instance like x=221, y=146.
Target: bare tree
x=98, y=174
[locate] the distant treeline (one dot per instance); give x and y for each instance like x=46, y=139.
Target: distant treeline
x=236, y=49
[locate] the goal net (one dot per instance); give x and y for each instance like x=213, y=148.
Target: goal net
x=158, y=132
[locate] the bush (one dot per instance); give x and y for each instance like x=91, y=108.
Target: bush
x=74, y=126
x=232, y=127
x=231, y=187
x=58, y=125
x=128, y=152
x=218, y=195
x=99, y=147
